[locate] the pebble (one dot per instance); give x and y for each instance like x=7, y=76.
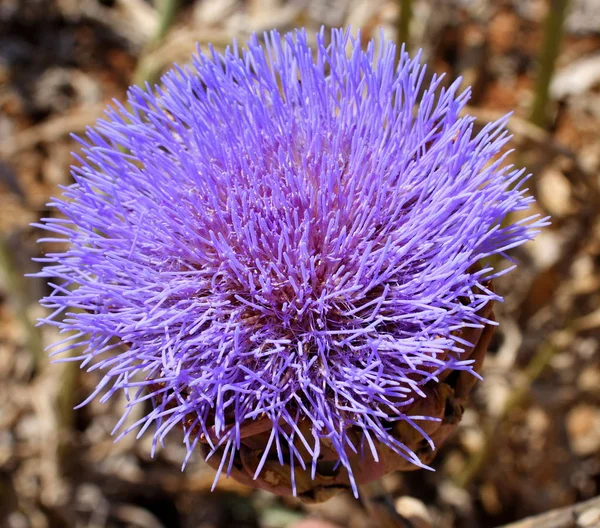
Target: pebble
x=583, y=428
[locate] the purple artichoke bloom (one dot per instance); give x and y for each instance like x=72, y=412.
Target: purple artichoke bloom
x=287, y=236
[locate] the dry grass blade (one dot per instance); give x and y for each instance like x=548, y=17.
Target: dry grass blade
x=51, y=130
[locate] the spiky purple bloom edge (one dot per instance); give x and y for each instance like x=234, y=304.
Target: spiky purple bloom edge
x=277, y=235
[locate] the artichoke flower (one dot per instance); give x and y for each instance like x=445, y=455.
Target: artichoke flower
x=284, y=248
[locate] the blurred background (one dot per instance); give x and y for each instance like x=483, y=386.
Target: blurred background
x=530, y=440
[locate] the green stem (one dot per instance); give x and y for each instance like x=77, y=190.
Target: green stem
x=167, y=11
x=534, y=369
x=404, y=19
x=553, y=29
x=15, y=283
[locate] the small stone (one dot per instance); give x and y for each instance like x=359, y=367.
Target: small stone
x=589, y=379
x=583, y=428
x=414, y=511
x=589, y=519
x=555, y=192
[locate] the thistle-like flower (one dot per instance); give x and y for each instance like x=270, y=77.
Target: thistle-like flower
x=283, y=248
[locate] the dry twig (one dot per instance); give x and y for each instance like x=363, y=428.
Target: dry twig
x=52, y=130
x=582, y=515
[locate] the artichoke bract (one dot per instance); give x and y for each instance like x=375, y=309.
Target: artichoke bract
x=284, y=249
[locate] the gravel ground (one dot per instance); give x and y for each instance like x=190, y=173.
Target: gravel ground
x=530, y=440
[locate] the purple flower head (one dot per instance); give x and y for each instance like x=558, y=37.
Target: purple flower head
x=288, y=234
